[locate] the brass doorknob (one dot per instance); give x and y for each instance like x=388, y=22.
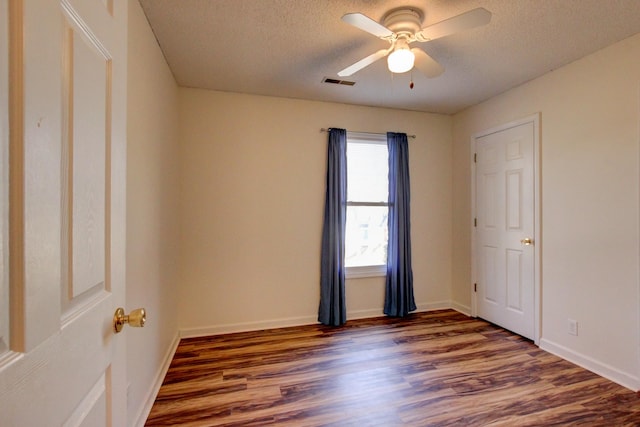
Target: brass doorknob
x=527, y=241
x=136, y=318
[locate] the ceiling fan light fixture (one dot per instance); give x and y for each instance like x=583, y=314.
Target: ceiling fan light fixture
x=401, y=60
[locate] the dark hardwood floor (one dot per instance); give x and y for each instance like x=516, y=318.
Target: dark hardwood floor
x=431, y=369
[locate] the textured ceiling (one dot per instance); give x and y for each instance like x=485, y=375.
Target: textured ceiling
x=286, y=47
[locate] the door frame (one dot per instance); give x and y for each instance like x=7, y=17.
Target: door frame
x=537, y=247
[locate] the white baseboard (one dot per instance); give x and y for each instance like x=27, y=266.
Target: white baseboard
x=304, y=320
x=421, y=307
x=464, y=309
x=247, y=326
x=624, y=379
x=364, y=314
x=432, y=306
x=153, y=392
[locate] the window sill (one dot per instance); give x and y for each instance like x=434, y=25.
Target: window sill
x=366, y=271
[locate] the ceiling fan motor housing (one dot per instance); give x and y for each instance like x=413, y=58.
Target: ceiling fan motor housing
x=404, y=21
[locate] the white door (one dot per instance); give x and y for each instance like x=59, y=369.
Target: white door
x=63, y=212
x=504, y=252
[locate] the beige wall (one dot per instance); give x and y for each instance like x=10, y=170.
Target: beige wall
x=590, y=185
x=152, y=214
x=252, y=202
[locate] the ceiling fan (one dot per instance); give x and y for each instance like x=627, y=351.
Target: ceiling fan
x=403, y=26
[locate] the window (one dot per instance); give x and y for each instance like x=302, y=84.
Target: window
x=367, y=205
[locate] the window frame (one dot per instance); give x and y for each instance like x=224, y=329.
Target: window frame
x=377, y=270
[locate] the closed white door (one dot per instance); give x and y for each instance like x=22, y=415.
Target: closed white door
x=64, y=149
x=504, y=252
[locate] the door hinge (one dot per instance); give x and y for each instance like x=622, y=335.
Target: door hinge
x=475, y=287
x=475, y=222
x=475, y=157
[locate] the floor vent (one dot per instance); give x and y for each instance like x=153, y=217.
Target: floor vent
x=338, y=82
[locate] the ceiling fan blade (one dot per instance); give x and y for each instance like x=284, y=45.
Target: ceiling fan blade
x=426, y=64
x=465, y=21
x=352, y=69
x=367, y=24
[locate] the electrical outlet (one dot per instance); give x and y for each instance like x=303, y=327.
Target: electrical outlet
x=573, y=327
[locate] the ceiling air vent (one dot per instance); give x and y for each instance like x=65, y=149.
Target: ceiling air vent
x=338, y=82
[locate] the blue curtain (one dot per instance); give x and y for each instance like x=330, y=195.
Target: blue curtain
x=333, y=310
x=399, y=300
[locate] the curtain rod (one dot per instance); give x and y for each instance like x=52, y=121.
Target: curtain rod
x=370, y=133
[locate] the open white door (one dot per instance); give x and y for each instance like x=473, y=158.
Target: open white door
x=63, y=212
x=504, y=251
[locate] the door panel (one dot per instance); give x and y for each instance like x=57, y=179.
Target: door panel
x=86, y=111
x=505, y=215
x=514, y=280
x=492, y=293
x=92, y=410
x=67, y=219
x=513, y=200
x=489, y=185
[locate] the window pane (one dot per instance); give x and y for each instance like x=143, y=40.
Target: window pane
x=366, y=236
x=367, y=176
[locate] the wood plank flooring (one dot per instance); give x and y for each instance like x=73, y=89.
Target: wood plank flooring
x=430, y=369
